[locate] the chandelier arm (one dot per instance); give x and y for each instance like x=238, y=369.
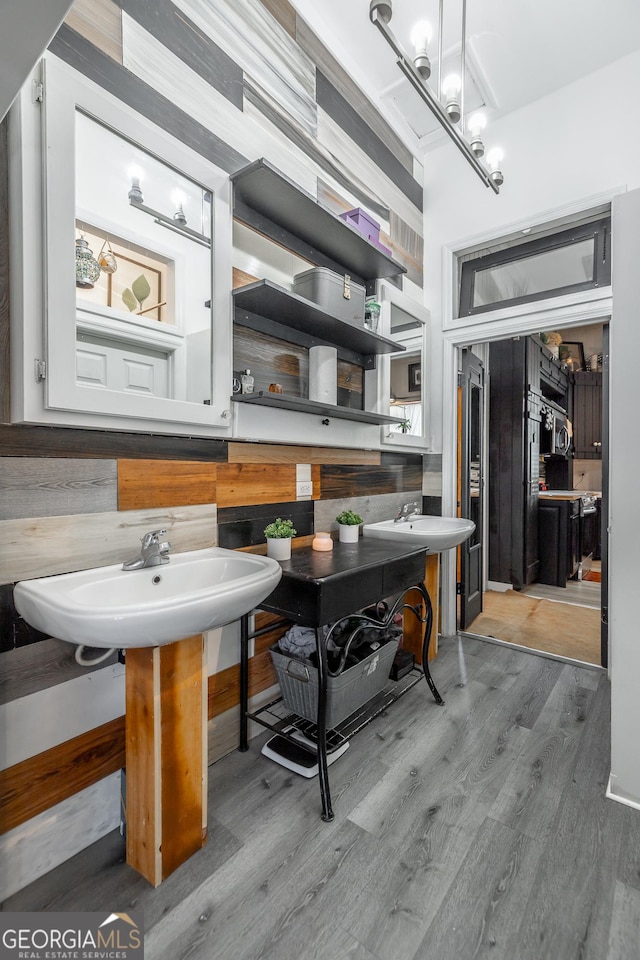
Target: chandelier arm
x=463, y=64
x=440, y=32
x=434, y=105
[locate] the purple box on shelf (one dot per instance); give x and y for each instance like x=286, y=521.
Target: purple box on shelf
x=361, y=220
x=380, y=246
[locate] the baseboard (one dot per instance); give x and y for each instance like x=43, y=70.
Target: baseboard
x=611, y=794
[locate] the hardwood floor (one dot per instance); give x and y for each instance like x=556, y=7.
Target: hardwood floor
x=538, y=619
x=474, y=830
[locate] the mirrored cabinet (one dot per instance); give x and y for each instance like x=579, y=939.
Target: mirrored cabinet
x=141, y=330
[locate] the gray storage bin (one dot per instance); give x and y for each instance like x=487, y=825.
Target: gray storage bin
x=345, y=693
x=328, y=289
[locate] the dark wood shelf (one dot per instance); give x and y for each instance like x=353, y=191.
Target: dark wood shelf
x=262, y=188
x=268, y=299
x=283, y=402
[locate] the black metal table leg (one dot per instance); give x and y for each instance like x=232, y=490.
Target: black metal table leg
x=244, y=681
x=323, y=769
x=425, y=644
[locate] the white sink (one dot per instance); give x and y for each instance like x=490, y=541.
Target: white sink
x=435, y=533
x=110, y=607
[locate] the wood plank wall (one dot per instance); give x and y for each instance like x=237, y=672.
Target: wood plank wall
x=84, y=497
x=122, y=493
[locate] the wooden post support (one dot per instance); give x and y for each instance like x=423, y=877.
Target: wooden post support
x=412, y=629
x=166, y=762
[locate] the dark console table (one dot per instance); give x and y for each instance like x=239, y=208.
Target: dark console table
x=320, y=588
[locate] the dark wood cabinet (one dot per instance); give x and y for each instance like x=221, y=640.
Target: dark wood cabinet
x=587, y=415
x=559, y=545
x=514, y=452
x=554, y=379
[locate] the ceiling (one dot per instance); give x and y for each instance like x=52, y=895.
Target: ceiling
x=517, y=50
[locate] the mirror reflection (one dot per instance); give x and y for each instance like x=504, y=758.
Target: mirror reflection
x=406, y=393
x=143, y=271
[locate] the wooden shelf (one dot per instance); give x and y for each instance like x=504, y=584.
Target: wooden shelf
x=283, y=402
x=263, y=189
x=268, y=299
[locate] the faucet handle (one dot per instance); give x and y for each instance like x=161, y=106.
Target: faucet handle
x=152, y=537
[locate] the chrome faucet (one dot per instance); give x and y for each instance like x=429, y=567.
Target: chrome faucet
x=407, y=511
x=155, y=550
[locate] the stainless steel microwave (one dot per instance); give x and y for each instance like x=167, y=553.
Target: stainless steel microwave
x=556, y=432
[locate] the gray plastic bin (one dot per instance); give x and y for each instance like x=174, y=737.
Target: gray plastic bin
x=345, y=693
x=335, y=293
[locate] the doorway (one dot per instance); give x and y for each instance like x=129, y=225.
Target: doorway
x=520, y=602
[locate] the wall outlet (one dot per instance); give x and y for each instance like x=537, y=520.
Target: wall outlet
x=304, y=488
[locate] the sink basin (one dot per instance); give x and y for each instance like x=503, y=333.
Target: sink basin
x=435, y=533
x=110, y=607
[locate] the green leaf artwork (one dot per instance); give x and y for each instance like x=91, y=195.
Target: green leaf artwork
x=140, y=288
x=129, y=300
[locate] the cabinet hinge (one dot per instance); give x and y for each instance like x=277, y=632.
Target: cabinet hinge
x=605, y=614
x=40, y=370
x=38, y=91
x=459, y=588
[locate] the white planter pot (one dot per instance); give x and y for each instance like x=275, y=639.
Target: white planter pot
x=349, y=532
x=279, y=548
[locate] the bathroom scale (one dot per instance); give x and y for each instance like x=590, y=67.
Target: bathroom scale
x=296, y=758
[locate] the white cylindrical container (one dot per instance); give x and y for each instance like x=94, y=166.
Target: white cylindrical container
x=349, y=532
x=279, y=548
x=323, y=374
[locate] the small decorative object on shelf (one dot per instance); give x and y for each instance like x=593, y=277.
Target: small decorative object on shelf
x=247, y=381
x=349, y=526
x=322, y=542
x=87, y=267
x=107, y=258
x=552, y=340
x=279, y=533
x=371, y=315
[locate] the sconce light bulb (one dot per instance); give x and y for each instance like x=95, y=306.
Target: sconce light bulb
x=451, y=87
x=179, y=216
x=421, y=35
x=135, y=193
x=477, y=123
x=420, y=38
x=494, y=159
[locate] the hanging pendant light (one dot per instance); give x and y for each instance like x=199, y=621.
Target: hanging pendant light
x=447, y=102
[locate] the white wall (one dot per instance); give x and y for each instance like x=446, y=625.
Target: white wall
x=565, y=150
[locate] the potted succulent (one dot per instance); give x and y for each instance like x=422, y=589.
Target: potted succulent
x=279, y=533
x=349, y=526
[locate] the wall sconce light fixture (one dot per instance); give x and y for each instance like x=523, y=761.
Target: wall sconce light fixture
x=177, y=223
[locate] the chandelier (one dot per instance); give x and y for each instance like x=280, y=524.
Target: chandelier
x=447, y=102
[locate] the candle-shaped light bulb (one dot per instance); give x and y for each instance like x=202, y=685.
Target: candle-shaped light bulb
x=178, y=199
x=451, y=86
x=477, y=123
x=135, y=192
x=421, y=36
x=494, y=159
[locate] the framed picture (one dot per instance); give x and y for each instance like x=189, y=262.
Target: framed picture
x=415, y=377
x=139, y=283
x=572, y=354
